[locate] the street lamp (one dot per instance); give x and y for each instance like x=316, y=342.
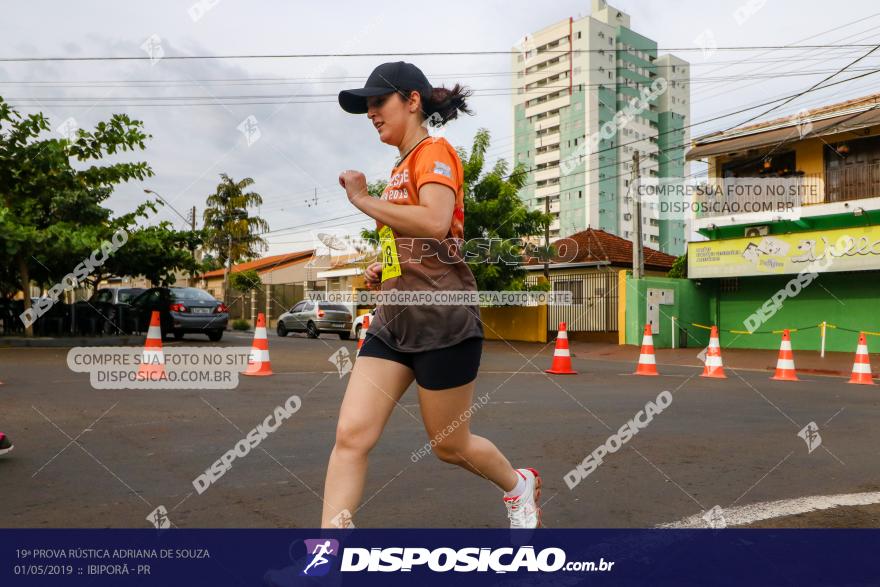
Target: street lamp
x=167, y=203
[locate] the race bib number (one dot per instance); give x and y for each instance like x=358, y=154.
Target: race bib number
x=390, y=261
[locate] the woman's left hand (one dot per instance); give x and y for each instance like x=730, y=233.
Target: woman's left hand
x=355, y=184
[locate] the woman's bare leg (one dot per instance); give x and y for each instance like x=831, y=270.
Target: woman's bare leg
x=454, y=442
x=375, y=387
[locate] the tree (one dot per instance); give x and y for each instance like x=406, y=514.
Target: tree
x=679, y=267
x=156, y=252
x=51, y=215
x=230, y=230
x=245, y=281
x=495, y=215
x=375, y=189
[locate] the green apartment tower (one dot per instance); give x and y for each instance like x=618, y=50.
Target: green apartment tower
x=571, y=78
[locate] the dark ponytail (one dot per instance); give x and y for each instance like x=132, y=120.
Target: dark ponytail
x=446, y=104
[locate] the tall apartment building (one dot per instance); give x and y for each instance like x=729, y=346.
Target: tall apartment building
x=571, y=78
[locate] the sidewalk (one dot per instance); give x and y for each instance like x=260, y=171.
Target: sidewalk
x=834, y=363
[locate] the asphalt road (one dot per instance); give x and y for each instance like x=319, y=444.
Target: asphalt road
x=107, y=458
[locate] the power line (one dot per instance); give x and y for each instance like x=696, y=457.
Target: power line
x=216, y=99
x=415, y=53
x=337, y=79
x=671, y=148
x=810, y=89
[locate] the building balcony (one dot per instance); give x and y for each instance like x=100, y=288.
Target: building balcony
x=548, y=105
x=546, y=55
x=548, y=157
x=547, y=191
x=539, y=206
x=548, y=122
x=549, y=173
x=852, y=182
x=546, y=72
x=546, y=140
x=851, y=189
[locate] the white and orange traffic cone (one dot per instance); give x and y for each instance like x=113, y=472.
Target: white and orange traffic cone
x=258, y=363
x=647, y=361
x=561, y=355
x=861, y=372
x=363, y=333
x=714, y=368
x=785, y=363
x=153, y=358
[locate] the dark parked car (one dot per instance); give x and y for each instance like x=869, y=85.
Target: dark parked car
x=107, y=311
x=182, y=310
x=313, y=318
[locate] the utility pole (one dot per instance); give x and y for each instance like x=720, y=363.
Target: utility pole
x=638, y=255
x=547, y=241
x=192, y=246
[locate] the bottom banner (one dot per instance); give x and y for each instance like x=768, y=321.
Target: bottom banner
x=439, y=557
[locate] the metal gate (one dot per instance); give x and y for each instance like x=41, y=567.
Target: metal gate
x=593, y=301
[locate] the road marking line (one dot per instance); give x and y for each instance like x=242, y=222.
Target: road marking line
x=766, y=510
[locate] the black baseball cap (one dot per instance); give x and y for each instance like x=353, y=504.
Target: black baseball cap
x=397, y=76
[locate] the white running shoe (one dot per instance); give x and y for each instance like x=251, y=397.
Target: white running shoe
x=523, y=510
x=5, y=444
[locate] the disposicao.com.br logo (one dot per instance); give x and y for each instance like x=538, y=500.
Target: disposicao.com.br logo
x=323, y=552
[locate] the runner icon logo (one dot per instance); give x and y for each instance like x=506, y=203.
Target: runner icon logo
x=810, y=434
x=322, y=552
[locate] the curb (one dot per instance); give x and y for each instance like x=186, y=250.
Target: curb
x=70, y=342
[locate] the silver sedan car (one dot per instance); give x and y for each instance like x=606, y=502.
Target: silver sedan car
x=315, y=317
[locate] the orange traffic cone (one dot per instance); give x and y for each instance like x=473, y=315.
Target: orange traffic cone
x=713, y=367
x=861, y=372
x=561, y=357
x=785, y=363
x=647, y=361
x=258, y=363
x=152, y=359
x=363, y=333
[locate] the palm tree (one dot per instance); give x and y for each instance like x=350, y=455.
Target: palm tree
x=232, y=233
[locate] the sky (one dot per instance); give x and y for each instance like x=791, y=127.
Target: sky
x=298, y=145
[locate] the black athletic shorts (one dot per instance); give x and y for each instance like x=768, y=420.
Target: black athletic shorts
x=434, y=369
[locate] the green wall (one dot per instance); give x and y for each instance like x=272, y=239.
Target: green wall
x=524, y=142
x=609, y=203
x=691, y=305
x=849, y=300
x=670, y=164
x=572, y=191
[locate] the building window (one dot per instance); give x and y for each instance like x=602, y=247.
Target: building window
x=576, y=287
x=730, y=284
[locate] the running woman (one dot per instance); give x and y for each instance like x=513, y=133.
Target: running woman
x=419, y=217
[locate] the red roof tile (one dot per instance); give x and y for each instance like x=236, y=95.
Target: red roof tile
x=264, y=264
x=792, y=120
x=597, y=245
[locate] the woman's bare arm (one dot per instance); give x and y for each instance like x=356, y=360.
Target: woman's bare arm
x=430, y=219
